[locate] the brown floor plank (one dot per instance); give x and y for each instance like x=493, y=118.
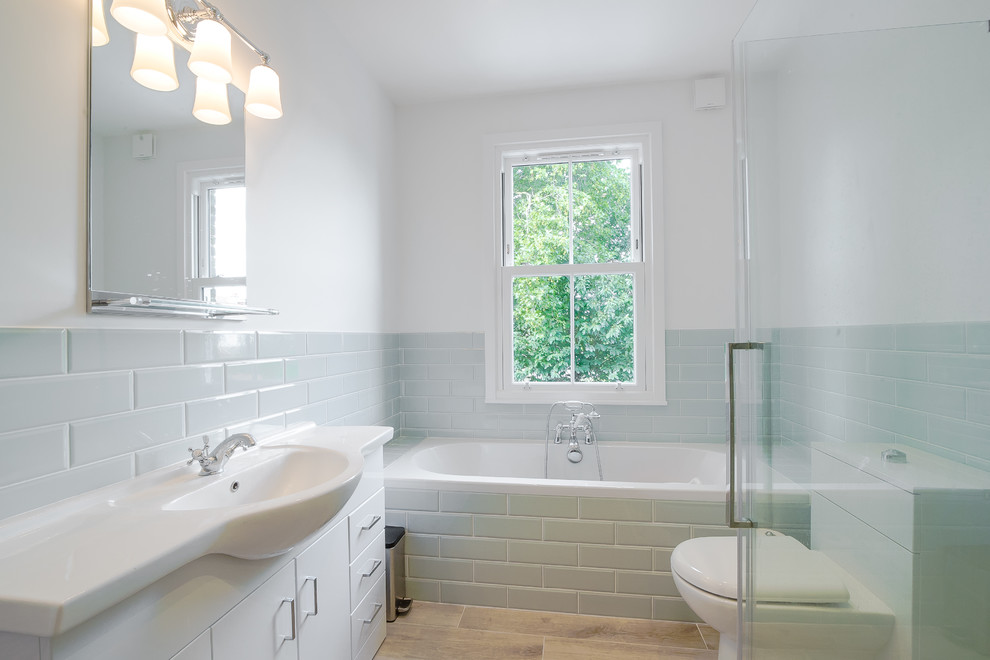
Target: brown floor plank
x=710, y=636
x=424, y=613
x=578, y=626
x=411, y=642
x=557, y=648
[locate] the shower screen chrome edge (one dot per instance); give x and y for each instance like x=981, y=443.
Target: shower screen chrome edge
x=730, y=505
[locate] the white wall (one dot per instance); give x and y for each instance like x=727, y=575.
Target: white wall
x=445, y=238
x=320, y=179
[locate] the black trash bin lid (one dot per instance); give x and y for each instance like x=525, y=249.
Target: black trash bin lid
x=393, y=533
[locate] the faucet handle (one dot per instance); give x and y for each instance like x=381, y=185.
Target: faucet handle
x=200, y=454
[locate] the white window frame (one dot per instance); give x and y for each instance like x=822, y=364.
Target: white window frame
x=196, y=178
x=642, y=142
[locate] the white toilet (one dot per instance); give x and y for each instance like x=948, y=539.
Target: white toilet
x=807, y=608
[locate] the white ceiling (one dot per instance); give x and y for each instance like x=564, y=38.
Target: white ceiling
x=428, y=50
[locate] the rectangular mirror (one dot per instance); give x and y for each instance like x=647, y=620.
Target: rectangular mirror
x=167, y=193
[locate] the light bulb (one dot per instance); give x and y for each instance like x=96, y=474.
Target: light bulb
x=210, y=57
x=210, y=105
x=263, y=97
x=154, y=63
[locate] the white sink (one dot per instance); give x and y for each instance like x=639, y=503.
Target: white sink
x=64, y=563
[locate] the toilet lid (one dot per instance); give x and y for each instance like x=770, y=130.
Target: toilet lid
x=786, y=571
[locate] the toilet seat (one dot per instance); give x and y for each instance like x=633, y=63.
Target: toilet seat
x=787, y=571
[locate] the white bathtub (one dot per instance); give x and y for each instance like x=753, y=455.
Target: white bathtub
x=638, y=470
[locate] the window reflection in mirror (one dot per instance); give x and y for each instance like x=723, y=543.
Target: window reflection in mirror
x=216, y=233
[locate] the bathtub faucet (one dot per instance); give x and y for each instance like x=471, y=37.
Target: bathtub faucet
x=581, y=423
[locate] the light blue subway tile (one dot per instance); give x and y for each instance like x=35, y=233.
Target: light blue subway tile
x=32, y=352
x=426, y=356
x=414, y=404
x=450, y=340
x=623, y=424
x=321, y=389
x=471, y=388
x=450, y=371
x=157, y=387
x=672, y=373
x=210, y=414
x=458, y=502
x=964, y=437
x=870, y=336
x=474, y=421
x=412, y=340
x=931, y=337
x=427, y=420
x=848, y=407
x=305, y=368
x=687, y=355
x=706, y=372
x=30, y=402
x=978, y=337
x=105, y=437
x=355, y=341
x=895, y=364
x=680, y=425
x=938, y=399
x=279, y=399
x=341, y=363
x=33, y=453
x=703, y=408
x=899, y=420
x=686, y=390
x=109, y=350
x=412, y=499
x=208, y=346
x=978, y=406
x=314, y=412
x=963, y=370
x=426, y=388
x=705, y=337
x=843, y=359
x=873, y=388
x=242, y=376
x=467, y=357
x=281, y=344
x=450, y=405
x=478, y=339
x=318, y=343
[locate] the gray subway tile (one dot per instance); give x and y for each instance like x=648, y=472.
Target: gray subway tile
x=546, y=600
x=561, y=554
x=432, y=568
x=978, y=337
x=676, y=511
x=632, y=607
x=473, y=548
x=281, y=344
x=425, y=590
x=645, y=583
x=412, y=499
x=547, y=506
x=597, y=508
x=651, y=535
x=520, y=575
x=423, y=545
x=482, y=595
x=457, y=502
x=580, y=579
x=33, y=453
x=615, y=557
x=579, y=531
x=449, y=524
x=673, y=609
x=318, y=343
x=508, y=527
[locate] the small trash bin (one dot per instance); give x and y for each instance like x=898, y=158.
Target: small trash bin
x=395, y=572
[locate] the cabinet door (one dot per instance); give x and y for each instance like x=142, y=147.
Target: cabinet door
x=323, y=596
x=261, y=627
x=198, y=649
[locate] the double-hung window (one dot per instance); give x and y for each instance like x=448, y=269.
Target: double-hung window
x=575, y=278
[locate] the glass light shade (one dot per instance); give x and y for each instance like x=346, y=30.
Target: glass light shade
x=154, y=63
x=210, y=105
x=141, y=16
x=263, y=97
x=100, y=35
x=210, y=57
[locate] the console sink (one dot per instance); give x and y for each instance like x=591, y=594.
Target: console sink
x=63, y=563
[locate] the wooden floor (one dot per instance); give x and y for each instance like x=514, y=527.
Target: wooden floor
x=434, y=631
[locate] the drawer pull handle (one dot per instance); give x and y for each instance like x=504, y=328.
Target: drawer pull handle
x=316, y=598
x=378, y=608
x=377, y=563
x=292, y=605
x=374, y=521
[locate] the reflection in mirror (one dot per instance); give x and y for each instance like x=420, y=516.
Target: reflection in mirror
x=167, y=191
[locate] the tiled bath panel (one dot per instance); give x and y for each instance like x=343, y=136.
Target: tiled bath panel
x=581, y=555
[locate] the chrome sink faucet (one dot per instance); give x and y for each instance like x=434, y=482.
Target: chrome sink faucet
x=212, y=462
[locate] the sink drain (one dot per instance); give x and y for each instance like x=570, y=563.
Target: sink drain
x=234, y=486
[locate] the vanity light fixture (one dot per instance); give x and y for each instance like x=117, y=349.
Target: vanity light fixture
x=154, y=63
x=199, y=27
x=100, y=35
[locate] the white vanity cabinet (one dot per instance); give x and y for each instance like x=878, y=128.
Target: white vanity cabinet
x=322, y=610
x=200, y=648
x=262, y=626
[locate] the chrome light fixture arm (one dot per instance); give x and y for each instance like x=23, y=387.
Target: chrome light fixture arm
x=186, y=18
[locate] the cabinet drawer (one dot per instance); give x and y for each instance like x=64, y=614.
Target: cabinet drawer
x=367, y=568
x=374, y=642
x=368, y=614
x=366, y=523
